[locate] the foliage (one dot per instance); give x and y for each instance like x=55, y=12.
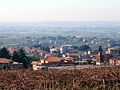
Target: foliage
x=84, y=48
x=4, y=53
x=44, y=48
x=15, y=56
x=100, y=49
x=4, y=67
x=21, y=57
x=76, y=47
x=33, y=58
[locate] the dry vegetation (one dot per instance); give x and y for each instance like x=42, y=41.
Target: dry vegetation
x=85, y=79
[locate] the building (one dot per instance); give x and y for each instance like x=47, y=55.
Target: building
x=75, y=56
x=36, y=65
x=115, y=60
x=52, y=50
x=114, y=51
x=66, y=49
x=47, y=62
x=5, y=61
x=10, y=64
x=55, y=52
x=100, y=56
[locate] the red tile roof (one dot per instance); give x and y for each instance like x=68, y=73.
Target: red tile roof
x=4, y=60
x=68, y=58
x=73, y=54
x=53, y=59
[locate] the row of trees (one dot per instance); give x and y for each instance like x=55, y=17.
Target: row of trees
x=47, y=48
x=18, y=56
x=82, y=48
x=44, y=48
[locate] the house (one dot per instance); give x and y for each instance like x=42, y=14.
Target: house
x=36, y=65
x=54, y=49
x=115, y=60
x=75, y=56
x=55, y=52
x=5, y=61
x=50, y=61
x=11, y=50
x=103, y=59
x=68, y=59
x=114, y=51
x=66, y=49
x=10, y=63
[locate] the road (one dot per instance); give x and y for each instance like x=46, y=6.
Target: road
x=80, y=67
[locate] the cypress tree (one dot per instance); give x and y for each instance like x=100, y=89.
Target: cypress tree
x=15, y=56
x=23, y=58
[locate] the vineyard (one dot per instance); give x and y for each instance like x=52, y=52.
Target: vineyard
x=84, y=79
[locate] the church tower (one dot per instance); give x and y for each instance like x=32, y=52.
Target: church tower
x=100, y=56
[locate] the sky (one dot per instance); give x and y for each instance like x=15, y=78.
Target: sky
x=59, y=10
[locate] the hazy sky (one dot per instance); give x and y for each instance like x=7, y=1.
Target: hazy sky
x=59, y=10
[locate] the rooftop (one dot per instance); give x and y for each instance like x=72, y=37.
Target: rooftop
x=4, y=60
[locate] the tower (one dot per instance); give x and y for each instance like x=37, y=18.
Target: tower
x=100, y=55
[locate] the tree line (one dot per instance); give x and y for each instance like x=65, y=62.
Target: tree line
x=82, y=48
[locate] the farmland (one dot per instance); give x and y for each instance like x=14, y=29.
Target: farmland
x=85, y=79
x=58, y=33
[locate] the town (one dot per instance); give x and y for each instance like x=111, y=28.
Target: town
x=64, y=57
x=59, y=44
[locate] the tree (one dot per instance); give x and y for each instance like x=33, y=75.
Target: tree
x=42, y=47
x=100, y=49
x=45, y=48
x=23, y=58
x=4, y=67
x=84, y=48
x=53, y=46
x=15, y=56
x=4, y=53
x=76, y=47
